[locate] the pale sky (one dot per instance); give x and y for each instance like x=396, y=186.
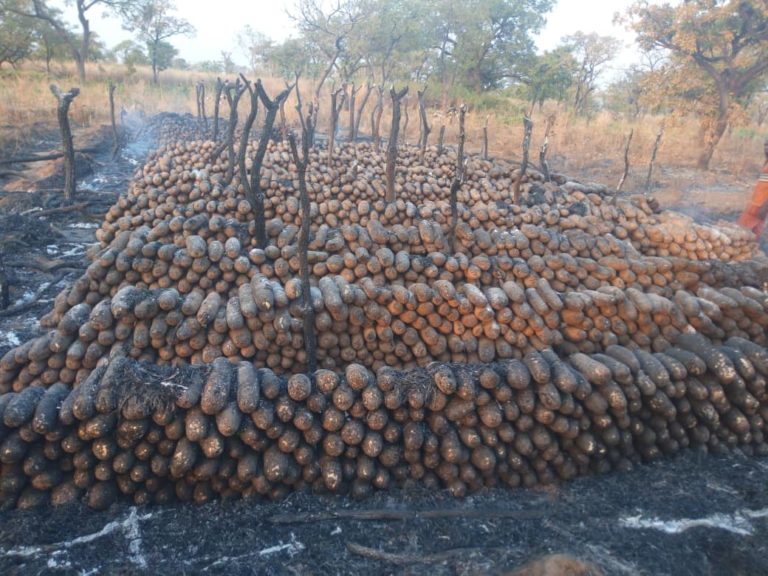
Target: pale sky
x=219, y=21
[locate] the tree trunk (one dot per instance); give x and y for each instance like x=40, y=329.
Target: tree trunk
x=80, y=62
x=244, y=147
x=233, y=100
x=115, y=134
x=62, y=112
x=424, y=127
x=397, y=98
x=376, y=119
x=712, y=135
x=85, y=41
x=352, y=97
x=360, y=112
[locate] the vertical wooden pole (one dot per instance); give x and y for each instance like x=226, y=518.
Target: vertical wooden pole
x=62, y=113
x=115, y=135
x=458, y=178
x=528, y=129
x=397, y=98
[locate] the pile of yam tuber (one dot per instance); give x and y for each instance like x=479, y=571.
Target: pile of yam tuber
x=527, y=344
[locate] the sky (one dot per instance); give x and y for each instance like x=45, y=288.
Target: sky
x=218, y=23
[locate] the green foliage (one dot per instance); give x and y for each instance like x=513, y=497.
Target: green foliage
x=154, y=22
x=549, y=76
x=130, y=54
x=478, y=44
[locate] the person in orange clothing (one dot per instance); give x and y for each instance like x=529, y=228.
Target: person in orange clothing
x=755, y=213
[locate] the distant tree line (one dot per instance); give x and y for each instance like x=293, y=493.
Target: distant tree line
x=35, y=29
x=702, y=57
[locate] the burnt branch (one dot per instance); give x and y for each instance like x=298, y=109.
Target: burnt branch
x=545, y=149
x=272, y=107
x=115, y=133
x=244, y=137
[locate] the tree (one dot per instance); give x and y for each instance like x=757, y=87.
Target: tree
x=79, y=45
x=130, y=54
x=256, y=47
x=591, y=52
x=392, y=42
x=328, y=30
x=720, y=44
x=160, y=55
x=155, y=23
x=227, y=63
x=17, y=38
x=549, y=76
x=294, y=58
x=482, y=43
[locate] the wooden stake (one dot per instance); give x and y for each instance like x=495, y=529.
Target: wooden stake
x=458, y=178
x=528, y=129
x=545, y=148
x=202, y=106
x=115, y=134
x=626, y=166
x=424, y=127
x=62, y=112
x=397, y=98
x=485, y=138
x=656, y=145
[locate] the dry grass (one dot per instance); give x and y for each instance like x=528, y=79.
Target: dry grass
x=578, y=145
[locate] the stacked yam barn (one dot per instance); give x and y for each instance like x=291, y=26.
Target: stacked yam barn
x=528, y=344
